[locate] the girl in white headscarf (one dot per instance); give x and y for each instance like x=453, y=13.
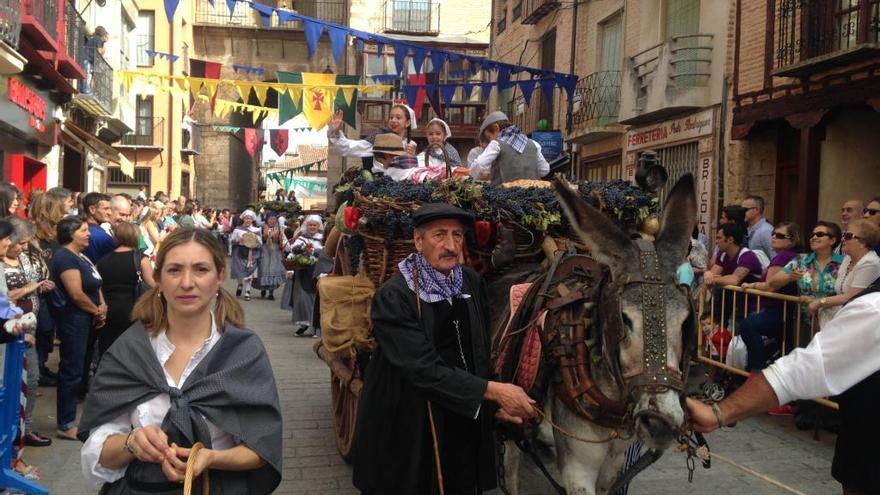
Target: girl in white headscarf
x=246, y=241
x=437, y=132
x=401, y=121
x=299, y=295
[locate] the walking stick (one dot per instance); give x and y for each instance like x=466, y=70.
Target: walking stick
x=436, y=443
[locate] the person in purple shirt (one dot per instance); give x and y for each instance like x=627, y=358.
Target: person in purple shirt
x=733, y=265
x=770, y=319
x=96, y=207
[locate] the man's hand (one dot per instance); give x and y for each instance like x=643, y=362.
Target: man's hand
x=709, y=278
x=503, y=416
x=513, y=400
x=702, y=417
x=335, y=124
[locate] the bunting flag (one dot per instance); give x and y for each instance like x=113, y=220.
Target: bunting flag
x=223, y=107
x=527, y=87
x=259, y=71
x=289, y=106
x=167, y=56
x=279, y=140
x=415, y=93
x=346, y=99
x=252, y=140
x=234, y=128
x=295, y=171
x=126, y=166
x=318, y=101
x=310, y=184
x=170, y=8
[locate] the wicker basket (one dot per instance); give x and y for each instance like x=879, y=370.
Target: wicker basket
x=293, y=265
x=377, y=206
x=380, y=260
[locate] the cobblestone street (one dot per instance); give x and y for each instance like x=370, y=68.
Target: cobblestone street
x=769, y=445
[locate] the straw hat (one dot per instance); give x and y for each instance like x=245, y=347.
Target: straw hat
x=250, y=240
x=389, y=143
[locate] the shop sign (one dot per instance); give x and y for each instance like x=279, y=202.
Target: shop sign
x=690, y=127
x=704, y=196
x=551, y=143
x=28, y=100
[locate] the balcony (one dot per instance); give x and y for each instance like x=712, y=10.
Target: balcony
x=535, y=10
x=669, y=78
x=596, y=106
x=10, y=22
x=811, y=36
x=148, y=134
x=39, y=22
x=96, y=92
x=412, y=17
x=243, y=16
x=72, y=60
x=192, y=144
x=463, y=118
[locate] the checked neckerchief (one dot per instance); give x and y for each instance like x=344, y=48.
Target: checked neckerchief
x=433, y=285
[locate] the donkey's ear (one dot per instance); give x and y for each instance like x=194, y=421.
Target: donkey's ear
x=677, y=223
x=607, y=243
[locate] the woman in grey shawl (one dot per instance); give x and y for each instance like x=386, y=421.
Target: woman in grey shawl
x=299, y=294
x=186, y=372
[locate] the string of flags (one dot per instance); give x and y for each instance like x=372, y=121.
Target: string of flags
x=289, y=182
x=247, y=69
x=296, y=171
x=235, y=129
x=167, y=56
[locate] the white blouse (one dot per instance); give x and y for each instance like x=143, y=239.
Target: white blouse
x=863, y=274
x=151, y=412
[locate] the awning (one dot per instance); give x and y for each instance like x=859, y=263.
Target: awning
x=90, y=142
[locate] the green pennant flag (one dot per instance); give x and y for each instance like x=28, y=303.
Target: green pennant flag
x=349, y=112
x=287, y=182
x=288, y=109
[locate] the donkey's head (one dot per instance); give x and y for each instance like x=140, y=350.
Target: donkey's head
x=644, y=315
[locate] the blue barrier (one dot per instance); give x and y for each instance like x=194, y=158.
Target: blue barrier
x=10, y=404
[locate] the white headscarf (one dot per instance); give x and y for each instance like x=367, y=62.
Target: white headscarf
x=312, y=218
x=444, y=125
x=248, y=213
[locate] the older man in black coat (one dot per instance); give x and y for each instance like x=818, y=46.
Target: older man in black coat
x=430, y=373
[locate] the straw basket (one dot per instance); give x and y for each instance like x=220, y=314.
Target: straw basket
x=378, y=207
x=380, y=260
x=294, y=265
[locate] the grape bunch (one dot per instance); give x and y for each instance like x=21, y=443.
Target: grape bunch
x=533, y=207
x=386, y=187
x=354, y=246
x=623, y=201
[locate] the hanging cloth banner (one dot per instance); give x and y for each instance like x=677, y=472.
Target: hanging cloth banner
x=226, y=128
x=279, y=140
x=289, y=106
x=167, y=56
x=252, y=140
x=223, y=107
x=318, y=101
x=259, y=71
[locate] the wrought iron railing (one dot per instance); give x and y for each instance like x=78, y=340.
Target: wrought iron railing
x=115, y=177
x=806, y=29
x=10, y=22
x=535, y=10
x=102, y=82
x=143, y=44
x=148, y=133
x=75, y=34
x=242, y=15
x=689, y=58
x=412, y=16
x=597, y=99
x=45, y=12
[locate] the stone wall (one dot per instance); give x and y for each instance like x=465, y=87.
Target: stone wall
x=224, y=171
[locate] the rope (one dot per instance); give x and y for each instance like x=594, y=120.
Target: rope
x=750, y=471
x=613, y=435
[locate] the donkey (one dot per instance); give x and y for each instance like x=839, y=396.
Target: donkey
x=650, y=351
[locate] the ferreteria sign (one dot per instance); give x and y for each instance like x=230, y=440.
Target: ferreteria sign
x=671, y=131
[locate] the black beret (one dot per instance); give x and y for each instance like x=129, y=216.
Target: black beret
x=436, y=211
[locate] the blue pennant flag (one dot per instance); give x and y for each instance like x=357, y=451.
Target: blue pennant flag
x=568, y=83
x=418, y=56
x=454, y=57
x=527, y=87
x=170, y=8
x=313, y=32
x=384, y=78
x=400, y=51
x=338, y=37
x=211, y=2
x=438, y=59
x=248, y=69
x=359, y=45
x=448, y=92
x=410, y=93
x=230, y=5
x=380, y=48
x=285, y=16
x=547, y=86
x=468, y=90
x=503, y=78
x=265, y=13
x=487, y=90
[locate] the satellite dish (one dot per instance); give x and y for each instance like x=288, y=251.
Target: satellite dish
x=101, y=3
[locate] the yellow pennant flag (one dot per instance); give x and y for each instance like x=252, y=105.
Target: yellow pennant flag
x=318, y=99
x=261, y=89
x=280, y=88
x=296, y=94
x=244, y=90
x=126, y=166
x=212, y=88
x=348, y=94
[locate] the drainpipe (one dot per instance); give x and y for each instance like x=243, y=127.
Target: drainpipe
x=568, y=118
x=722, y=146
x=170, y=146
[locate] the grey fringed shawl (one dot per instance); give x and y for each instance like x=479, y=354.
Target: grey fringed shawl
x=233, y=388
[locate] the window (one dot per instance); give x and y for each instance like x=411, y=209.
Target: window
x=141, y=177
x=378, y=65
x=144, y=124
x=412, y=16
x=145, y=33
x=458, y=73
x=683, y=18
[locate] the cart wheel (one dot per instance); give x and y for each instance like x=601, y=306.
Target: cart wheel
x=345, y=406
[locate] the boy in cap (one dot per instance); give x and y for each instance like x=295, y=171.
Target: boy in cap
x=510, y=154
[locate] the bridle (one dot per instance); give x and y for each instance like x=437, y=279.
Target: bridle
x=653, y=375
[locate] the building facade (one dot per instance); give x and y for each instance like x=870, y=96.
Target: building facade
x=805, y=105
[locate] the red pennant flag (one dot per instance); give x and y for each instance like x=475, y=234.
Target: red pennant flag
x=418, y=80
x=252, y=140
x=279, y=139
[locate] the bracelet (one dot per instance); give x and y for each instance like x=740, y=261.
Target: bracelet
x=127, y=444
x=822, y=302
x=717, y=411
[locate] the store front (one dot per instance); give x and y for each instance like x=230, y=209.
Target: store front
x=27, y=133
x=684, y=145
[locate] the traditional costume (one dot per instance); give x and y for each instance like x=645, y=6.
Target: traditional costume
x=363, y=148
x=300, y=292
x=511, y=156
x=246, y=242
x=432, y=355
x=228, y=398
x=272, y=271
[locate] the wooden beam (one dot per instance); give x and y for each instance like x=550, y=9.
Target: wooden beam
x=809, y=162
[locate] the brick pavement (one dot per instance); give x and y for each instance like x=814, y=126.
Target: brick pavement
x=312, y=466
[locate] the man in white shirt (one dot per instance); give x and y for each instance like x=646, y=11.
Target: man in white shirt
x=510, y=155
x=843, y=359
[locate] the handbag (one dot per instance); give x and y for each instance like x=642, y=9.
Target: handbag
x=140, y=287
x=57, y=298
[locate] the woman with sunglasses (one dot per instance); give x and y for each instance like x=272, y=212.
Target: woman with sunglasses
x=770, y=319
x=872, y=213
x=859, y=268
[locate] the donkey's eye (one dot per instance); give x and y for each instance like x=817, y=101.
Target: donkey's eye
x=627, y=322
